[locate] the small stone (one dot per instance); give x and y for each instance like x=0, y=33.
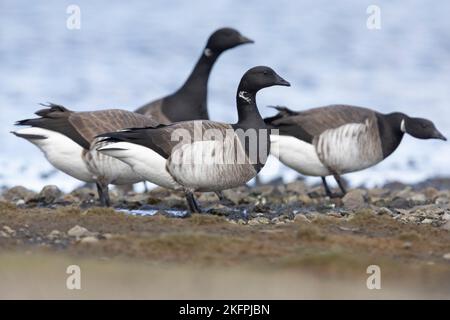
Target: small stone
x=418, y=197
x=9, y=230
x=20, y=202
x=241, y=221
x=442, y=200
x=354, y=199
x=446, y=216
x=301, y=218
x=89, y=239
x=78, y=232
x=427, y=221
x=108, y=236
x=407, y=245
x=54, y=234
x=304, y=199
x=258, y=220
x=49, y=194
x=3, y=234
x=385, y=211
x=446, y=256
x=18, y=193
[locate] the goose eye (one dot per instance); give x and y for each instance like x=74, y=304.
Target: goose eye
x=265, y=73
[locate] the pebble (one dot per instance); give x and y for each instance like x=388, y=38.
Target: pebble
x=9, y=230
x=301, y=218
x=3, y=234
x=407, y=245
x=446, y=256
x=427, y=221
x=49, y=194
x=258, y=220
x=78, y=232
x=54, y=234
x=354, y=199
x=384, y=210
x=89, y=239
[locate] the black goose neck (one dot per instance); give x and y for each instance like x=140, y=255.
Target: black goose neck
x=247, y=110
x=197, y=81
x=390, y=130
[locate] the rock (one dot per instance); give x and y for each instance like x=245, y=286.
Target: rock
x=354, y=199
x=427, y=221
x=418, y=197
x=3, y=234
x=385, y=211
x=400, y=203
x=431, y=193
x=18, y=193
x=442, y=200
x=54, y=234
x=9, y=230
x=446, y=256
x=89, y=239
x=20, y=202
x=49, y=194
x=258, y=220
x=446, y=216
x=304, y=199
x=300, y=218
x=407, y=245
x=79, y=232
x=84, y=194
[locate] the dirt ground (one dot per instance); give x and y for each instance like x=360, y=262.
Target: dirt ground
x=209, y=256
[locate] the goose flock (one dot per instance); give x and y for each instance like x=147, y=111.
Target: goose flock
x=172, y=143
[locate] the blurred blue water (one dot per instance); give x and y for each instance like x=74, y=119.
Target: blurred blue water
x=126, y=54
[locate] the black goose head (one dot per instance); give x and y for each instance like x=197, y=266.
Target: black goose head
x=224, y=39
x=260, y=77
x=421, y=128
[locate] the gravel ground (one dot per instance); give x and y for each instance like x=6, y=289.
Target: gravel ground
x=266, y=232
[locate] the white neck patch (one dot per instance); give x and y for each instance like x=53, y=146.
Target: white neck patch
x=245, y=96
x=208, y=52
x=402, y=126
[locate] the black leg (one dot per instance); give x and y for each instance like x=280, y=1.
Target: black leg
x=103, y=195
x=145, y=187
x=223, y=200
x=192, y=203
x=340, y=183
x=326, y=187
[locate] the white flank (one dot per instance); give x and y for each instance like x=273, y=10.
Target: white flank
x=349, y=148
x=62, y=152
x=298, y=155
x=210, y=165
x=144, y=161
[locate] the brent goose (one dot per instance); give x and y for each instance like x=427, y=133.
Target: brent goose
x=190, y=101
x=67, y=140
x=202, y=160
x=338, y=139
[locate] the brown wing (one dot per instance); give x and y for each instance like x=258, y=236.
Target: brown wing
x=317, y=120
x=82, y=127
x=154, y=110
x=91, y=124
x=164, y=138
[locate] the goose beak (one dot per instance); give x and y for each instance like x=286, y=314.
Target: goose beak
x=244, y=40
x=440, y=136
x=281, y=82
